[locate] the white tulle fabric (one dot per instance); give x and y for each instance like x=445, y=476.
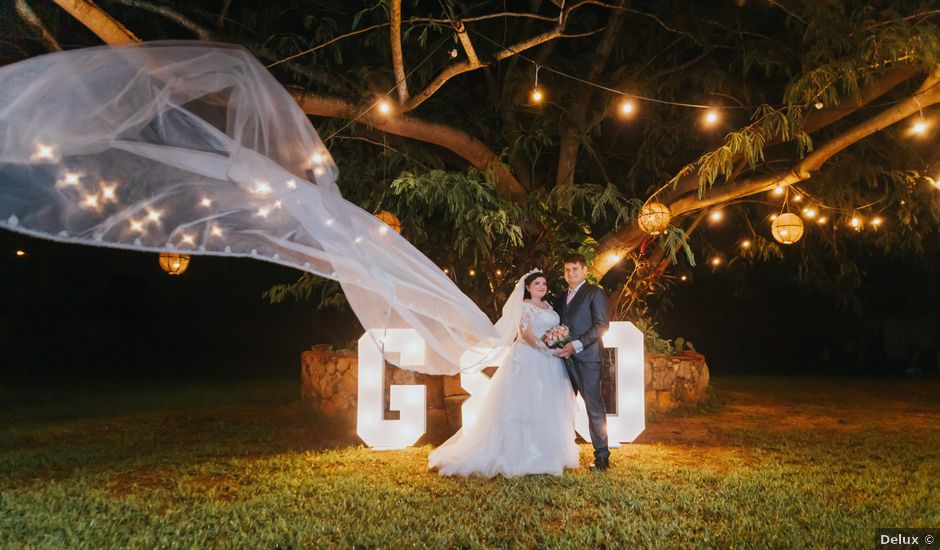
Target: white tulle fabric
x=196, y=148
x=526, y=423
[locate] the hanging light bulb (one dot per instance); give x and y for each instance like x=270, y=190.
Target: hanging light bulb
x=716, y=216
x=385, y=107
x=810, y=212
x=778, y=190
x=919, y=127
x=537, y=95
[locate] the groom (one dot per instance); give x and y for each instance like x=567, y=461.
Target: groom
x=584, y=310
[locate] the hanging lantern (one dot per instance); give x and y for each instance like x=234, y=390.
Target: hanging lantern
x=654, y=218
x=390, y=220
x=787, y=228
x=174, y=264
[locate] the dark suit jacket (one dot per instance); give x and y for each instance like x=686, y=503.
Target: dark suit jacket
x=586, y=318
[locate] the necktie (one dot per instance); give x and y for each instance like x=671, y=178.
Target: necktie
x=570, y=295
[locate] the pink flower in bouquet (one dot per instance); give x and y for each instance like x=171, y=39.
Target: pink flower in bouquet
x=557, y=337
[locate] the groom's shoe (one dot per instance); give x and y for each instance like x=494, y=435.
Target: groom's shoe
x=600, y=464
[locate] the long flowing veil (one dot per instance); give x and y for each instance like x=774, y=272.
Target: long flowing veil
x=194, y=147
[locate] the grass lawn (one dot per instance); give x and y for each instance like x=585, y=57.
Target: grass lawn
x=771, y=462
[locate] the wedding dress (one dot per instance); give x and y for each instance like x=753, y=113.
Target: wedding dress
x=526, y=424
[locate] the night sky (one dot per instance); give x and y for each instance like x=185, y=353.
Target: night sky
x=82, y=314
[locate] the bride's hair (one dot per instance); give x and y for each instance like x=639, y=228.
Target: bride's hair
x=528, y=281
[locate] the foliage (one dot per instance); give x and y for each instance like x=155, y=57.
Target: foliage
x=657, y=345
x=766, y=67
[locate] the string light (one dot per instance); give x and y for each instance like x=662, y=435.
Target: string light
x=318, y=171
x=20, y=253
x=746, y=244
x=627, y=108
x=316, y=158
x=773, y=217
x=71, y=178
x=188, y=239
x=446, y=271
x=263, y=212
x=778, y=190
x=473, y=272
x=856, y=223
x=153, y=215
x=499, y=272
x=385, y=107
x=216, y=231
x=291, y=184
x=809, y=212
x=822, y=220
x=206, y=202
x=797, y=198
x=684, y=278
x=710, y=117
x=716, y=261
x=716, y=216
x=876, y=222
x=137, y=226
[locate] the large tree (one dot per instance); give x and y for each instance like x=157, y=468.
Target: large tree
x=816, y=106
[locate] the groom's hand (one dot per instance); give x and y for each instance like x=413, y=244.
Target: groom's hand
x=566, y=351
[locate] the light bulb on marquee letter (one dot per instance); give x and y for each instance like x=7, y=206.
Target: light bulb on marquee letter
x=371, y=425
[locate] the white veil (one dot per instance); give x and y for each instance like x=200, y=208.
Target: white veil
x=194, y=147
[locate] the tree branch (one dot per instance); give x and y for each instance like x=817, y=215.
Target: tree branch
x=628, y=238
x=504, y=53
x=570, y=140
x=475, y=152
x=108, y=29
x=201, y=32
x=31, y=19
x=401, y=81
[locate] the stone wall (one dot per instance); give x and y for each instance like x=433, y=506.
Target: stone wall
x=329, y=383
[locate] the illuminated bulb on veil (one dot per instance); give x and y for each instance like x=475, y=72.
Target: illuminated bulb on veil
x=44, y=152
x=108, y=192
x=90, y=201
x=71, y=178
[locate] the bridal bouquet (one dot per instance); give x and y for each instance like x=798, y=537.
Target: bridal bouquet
x=557, y=338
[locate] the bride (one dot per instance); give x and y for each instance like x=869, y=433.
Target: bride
x=526, y=424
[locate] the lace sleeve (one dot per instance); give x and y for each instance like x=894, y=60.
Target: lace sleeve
x=525, y=331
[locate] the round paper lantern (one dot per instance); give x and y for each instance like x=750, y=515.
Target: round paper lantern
x=787, y=228
x=174, y=264
x=654, y=218
x=390, y=220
